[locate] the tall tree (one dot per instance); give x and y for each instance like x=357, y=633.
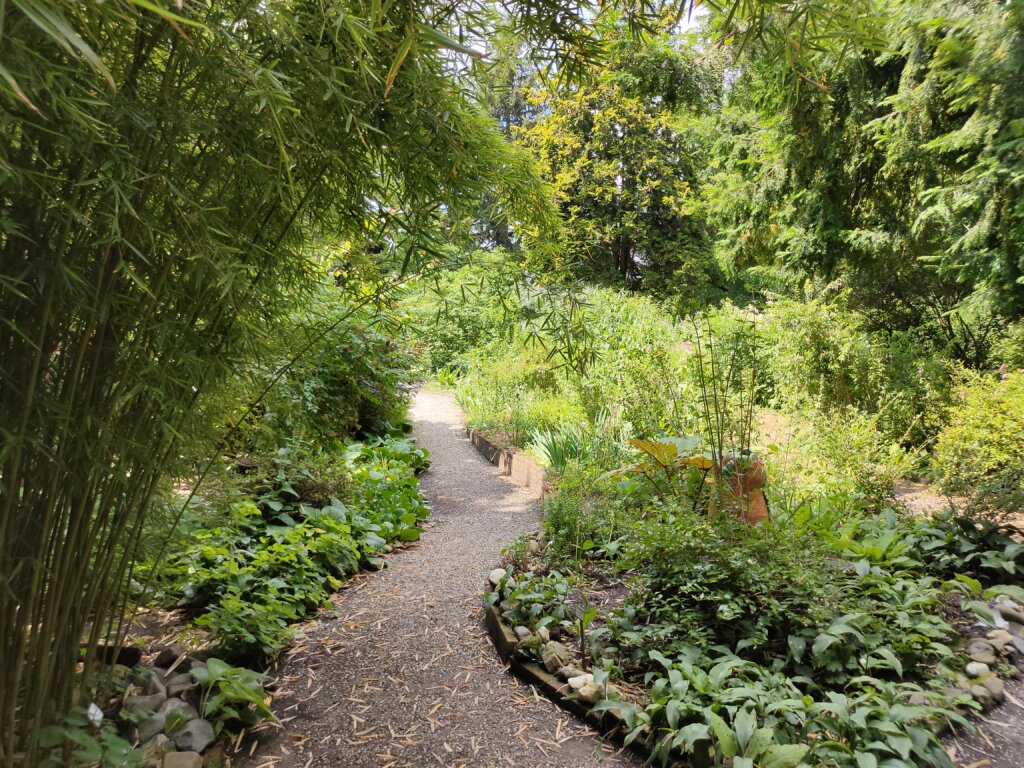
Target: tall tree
x=625, y=171
x=898, y=172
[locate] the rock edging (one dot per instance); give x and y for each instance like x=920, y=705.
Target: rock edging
x=608, y=723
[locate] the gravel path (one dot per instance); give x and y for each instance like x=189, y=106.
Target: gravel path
x=403, y=673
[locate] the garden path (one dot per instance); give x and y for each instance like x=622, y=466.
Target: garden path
x=402, y=674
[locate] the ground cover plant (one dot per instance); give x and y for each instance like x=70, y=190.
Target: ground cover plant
x=208, y=212
x=278, y=556
x=833, y=627
x=830, y=633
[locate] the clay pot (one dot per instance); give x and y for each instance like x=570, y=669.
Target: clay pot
x=746, y=477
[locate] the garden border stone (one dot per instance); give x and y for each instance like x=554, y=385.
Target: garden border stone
x=609, y=724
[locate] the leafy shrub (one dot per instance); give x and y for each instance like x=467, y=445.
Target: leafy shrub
x=276, y=558
x=81, y=741
x=1008, y=349
x=535, y=600
x=322, y=377
x=820, y=354
x=949, y=545
x=856, y=457
x=588, y=511
x=573, y=523
x=980, y=452
x=392, y=450
x=347, y=384
x=459, y=310
x=636, y=374
x=722, y=582
x=643, y=385
x=232, y=696
x=741, y=712
x=255, y=576
x=510, y=391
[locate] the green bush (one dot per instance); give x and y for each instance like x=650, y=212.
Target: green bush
x=722, y=582
x=454, y=312
x=949, y=545
x=555, y=448
x=348, y=384
x=855, y=457
x=1008, y=349
x=980, y=452
x=815, y=353
x=512, y=390
x=232, y=696
x=636, y=374
x=278, y=556
x=253, y=577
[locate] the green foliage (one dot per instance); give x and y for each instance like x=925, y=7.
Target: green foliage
x=722, y=582
x=952, y=545
x=79, y=741
x=536, y=600
x=818, y=353
x=895, y=170
x=625, y=176
x=453, y=312
x=980, y=452
x=232, y=696
x=348, y=383
x=1008, y=349
x=276, y=558
x=513, y=390
x=254, y=577
x=556, y=448
x=752, y=638
x=635, y=379
x=846, y=452
x=582, y=514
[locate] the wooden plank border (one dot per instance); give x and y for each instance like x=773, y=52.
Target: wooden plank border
x=520, y=468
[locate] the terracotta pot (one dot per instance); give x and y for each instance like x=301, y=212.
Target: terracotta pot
x=746, y=481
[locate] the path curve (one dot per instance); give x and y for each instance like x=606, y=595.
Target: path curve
x=404, y=674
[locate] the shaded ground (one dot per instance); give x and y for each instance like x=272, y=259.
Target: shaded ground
x=404, y=675
x=999, y=739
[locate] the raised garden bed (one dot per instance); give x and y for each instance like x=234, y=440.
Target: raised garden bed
x=608, y=723
x=521, y=469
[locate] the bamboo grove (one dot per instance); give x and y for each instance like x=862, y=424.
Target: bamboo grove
x=162, y=175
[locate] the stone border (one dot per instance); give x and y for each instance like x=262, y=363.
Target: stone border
x=609, y=723
x=522, y=469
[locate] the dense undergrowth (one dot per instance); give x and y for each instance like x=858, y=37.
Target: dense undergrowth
x=315, y=482
x=280, y=554
x=829, y=634
x=315, y=479
x=835, y=629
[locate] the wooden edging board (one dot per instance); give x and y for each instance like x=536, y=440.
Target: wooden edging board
x=608, y=723
x=520, y=468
